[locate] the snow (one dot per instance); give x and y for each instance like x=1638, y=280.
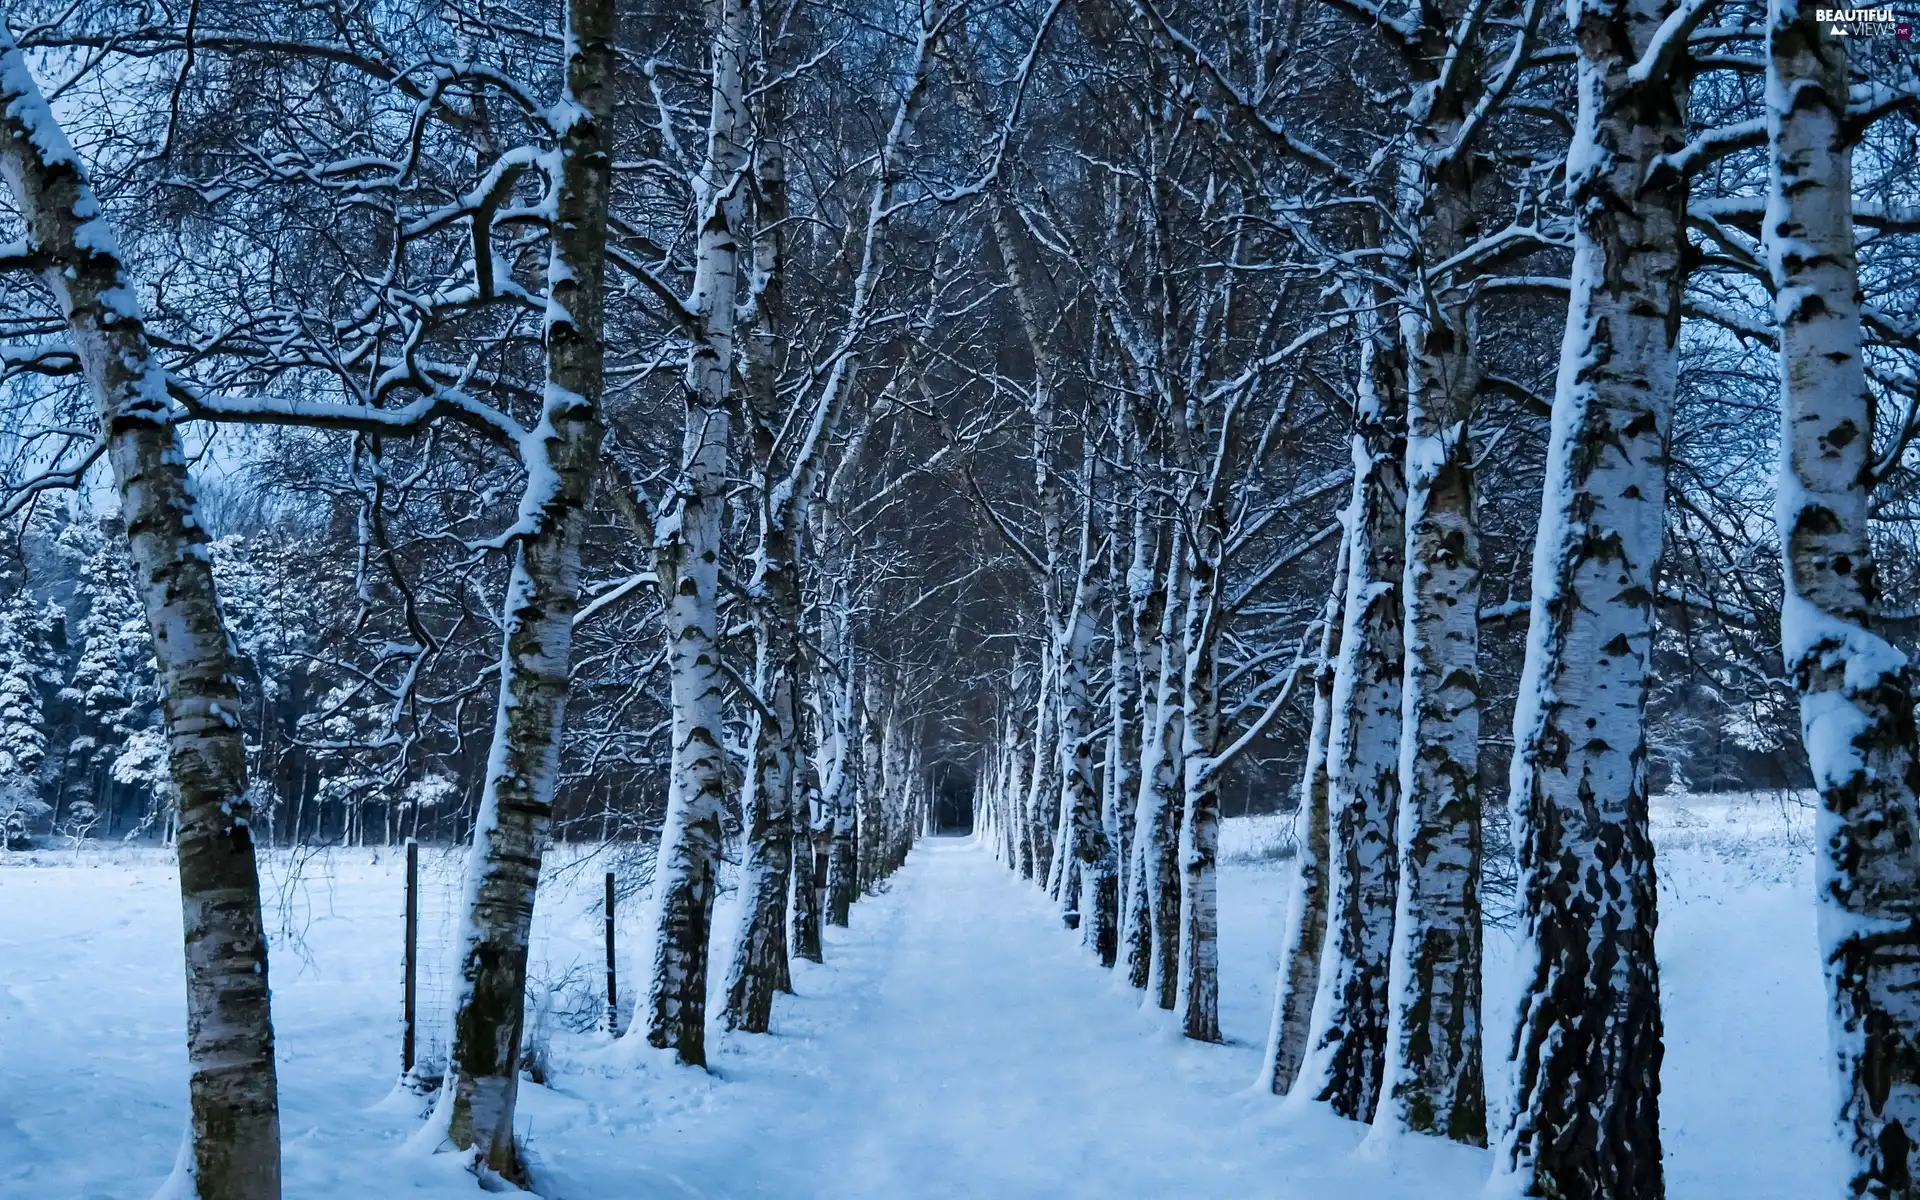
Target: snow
x=957, y=1042
x=25, y=106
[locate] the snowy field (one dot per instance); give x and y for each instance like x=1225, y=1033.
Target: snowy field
x=958, y=1042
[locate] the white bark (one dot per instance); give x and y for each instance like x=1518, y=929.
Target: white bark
x=561, y=454
x=234, y=1104
x=687, y=557
x=1586, y=1046
x=1856, y=702
x=1097, y=895
x=1154, y=915
x=1199, y=845
x=1432, y=1080
x=1348, y=1040
x=1043, y=781
x=1306, y=927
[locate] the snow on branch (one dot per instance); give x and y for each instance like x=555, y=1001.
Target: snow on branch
x=441, y=403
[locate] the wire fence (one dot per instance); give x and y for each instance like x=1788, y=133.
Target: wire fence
x=567, y=963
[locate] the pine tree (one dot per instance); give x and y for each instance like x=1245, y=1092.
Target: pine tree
x=24, y=638
x=113, y=689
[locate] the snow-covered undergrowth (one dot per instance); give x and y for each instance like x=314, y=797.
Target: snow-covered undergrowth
x=958, y=1042
x=1267, y=838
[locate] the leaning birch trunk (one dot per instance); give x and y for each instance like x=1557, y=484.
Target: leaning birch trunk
x=1856, y=702
x=234, y=1100
x=543, y=593
x=1348, y=1040
x=1432, y=1080
x=687, y=557
x=1306, y=927
x=1584, y=1118
x=760, y=966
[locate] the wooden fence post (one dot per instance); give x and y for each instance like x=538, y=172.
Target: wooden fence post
x=613, y=995
x=412, y=954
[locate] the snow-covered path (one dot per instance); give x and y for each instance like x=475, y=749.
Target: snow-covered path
x=957, y=1043
x=960, y=1043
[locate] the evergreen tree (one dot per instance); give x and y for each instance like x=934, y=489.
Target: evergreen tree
x=112, y=689
x=25, y=642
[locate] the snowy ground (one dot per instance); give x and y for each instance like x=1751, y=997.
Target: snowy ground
x=957, y=1043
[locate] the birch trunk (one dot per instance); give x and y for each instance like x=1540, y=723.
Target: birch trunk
x=1856, y=701
x=760, y=967
x=688, y=564
x=1122, y=781
x=843, y=852
x=1043, y=790
x=870, y=793
x=1586, y=1046
x=1157, y=820
x=1096, y=890
x=1136, y=931
x=1432, y=1080
x=1306, y=928
x=1018, y=833
x=1349, y=1029
x=839, y=756
x=232, y=1088
x=1006, y=786
x=809, y=874
x=1199, y=1000
x=543, y=593
x=789, y=468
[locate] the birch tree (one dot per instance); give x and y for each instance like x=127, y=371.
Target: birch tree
x=1306, y=929
x=1856, y=702
x=790, y=463
x=561, y=454
x=232, y=1087
x=1586, y=1045
x=686, y=535
x=1432, y=1074
x=1350, y=1012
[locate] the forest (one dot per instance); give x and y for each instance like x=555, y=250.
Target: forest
x=793, y=455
